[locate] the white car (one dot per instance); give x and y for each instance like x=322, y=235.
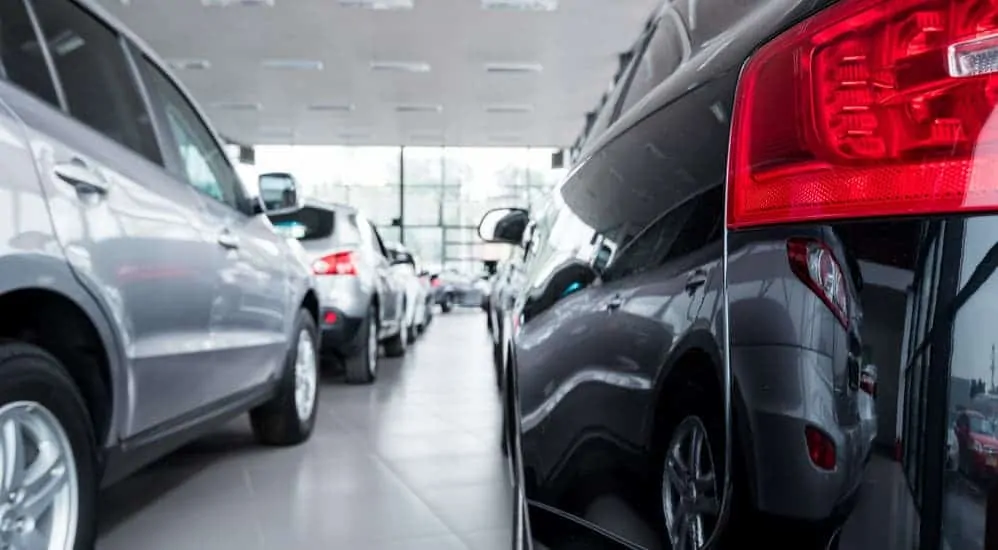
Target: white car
x=418, y=306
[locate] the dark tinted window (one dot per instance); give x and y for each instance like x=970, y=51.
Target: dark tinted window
x=315, y=223
x=203, y=163
x=96, y=78
x=650, y=247
x=660, y=59
x=702, y=227
x=21, y=59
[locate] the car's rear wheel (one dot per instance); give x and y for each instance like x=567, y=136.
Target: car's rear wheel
x=363, y=368
x=691, y=486
x=48, y=473
x=289, y=418
x=396, y=345
x=448, y=303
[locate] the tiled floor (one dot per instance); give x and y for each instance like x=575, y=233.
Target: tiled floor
x=411, y=463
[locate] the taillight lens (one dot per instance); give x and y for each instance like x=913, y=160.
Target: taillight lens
x=820, y=448
x=816, y=266
x=340, y=263
x=869, y=108
x=435, y=282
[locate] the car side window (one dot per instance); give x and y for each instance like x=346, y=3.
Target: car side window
x=688, y=227
x=702, y=227
x=203, y=163
x=379, y=245
x=348, y=233
x=661, y=58
x=98, y=82
x=21, y=60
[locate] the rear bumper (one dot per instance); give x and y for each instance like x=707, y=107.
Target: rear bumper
x=783, y=389
x=341, y=336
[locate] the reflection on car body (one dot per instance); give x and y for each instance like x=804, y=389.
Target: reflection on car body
x=768, y=295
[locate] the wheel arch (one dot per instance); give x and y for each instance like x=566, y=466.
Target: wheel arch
x=28, y=279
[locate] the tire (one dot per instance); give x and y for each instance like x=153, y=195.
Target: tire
x=396, y=345
x=33, y=384
x=413, y=331
x=289, y=418
x=363, y=369
x=693, y=413
x=447, y=304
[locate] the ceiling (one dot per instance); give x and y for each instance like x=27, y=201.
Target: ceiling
x=337, y=97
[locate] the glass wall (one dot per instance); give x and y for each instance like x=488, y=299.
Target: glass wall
x=429, y=198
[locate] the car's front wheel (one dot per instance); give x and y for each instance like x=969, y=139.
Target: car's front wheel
x=288, y=418
x=363, y=368
x=48, y=473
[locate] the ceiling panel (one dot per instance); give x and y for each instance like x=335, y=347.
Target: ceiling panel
x=576, y=45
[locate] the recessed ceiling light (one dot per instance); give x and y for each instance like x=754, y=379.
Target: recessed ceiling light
x=520, y=5
x=228, y=3
x=513, y=67
x=401, y=66
x=237, y=106
x=331, y=107
x=378, y=4
x=293, y=64
x=504, y=138
x=504, y=108
x=354, y=135
x=276, y=131
x=418, y=108
x=190, y=64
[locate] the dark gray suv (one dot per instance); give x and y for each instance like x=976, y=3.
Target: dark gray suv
x=144, y=296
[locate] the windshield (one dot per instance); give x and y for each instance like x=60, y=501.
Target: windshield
x=982, y=426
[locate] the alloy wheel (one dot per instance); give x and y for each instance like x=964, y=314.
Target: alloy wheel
x=39, y=485
x=306, y=376
x=689, y=487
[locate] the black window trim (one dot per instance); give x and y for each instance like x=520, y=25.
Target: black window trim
x=43, y=44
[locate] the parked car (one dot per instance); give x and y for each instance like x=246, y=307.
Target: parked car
x=362, y=301
x=419, y=302
x=456, y=289
x=977, y=441
x=148, y=298
x=661, y=336
x=505, y=286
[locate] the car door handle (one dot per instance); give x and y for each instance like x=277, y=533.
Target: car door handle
x=614, y=303
x=696, y=280
x=228, y=240
x=85, y=180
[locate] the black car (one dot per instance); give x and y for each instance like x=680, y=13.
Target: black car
x=775, y=196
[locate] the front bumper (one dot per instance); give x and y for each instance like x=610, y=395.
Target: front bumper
x=783, y=389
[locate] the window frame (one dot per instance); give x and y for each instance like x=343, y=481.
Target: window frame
x=173, y=164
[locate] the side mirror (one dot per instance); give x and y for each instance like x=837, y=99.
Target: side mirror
x=279, y=193
x=504, y=225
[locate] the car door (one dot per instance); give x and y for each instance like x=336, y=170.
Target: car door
x=130, y=232
x=376, y=258
x=251, y=311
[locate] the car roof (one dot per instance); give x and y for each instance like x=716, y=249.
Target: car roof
x=332, y=206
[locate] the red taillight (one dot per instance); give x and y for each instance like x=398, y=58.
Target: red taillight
x=340, y=263
x=435, y=282
x=820, y=448
x=869, y=108
x=816, y=266
x=868, y=384
x=329, y=318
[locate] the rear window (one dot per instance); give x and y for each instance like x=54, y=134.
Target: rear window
x=307, y=224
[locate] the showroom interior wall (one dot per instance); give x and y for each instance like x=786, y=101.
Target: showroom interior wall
x=429, y=198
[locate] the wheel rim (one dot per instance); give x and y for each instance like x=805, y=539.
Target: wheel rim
x=689, y=487
x=39, y=486
x=372, y=348
x=306, y=376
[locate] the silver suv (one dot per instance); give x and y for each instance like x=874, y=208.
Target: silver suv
x=144, y=296
x=362, y=302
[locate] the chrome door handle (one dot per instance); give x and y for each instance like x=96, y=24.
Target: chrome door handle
x=228, y=240
x=85, y=180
